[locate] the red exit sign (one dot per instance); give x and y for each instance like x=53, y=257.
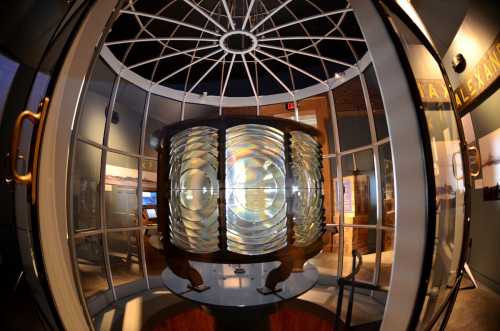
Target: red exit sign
x=290, y=106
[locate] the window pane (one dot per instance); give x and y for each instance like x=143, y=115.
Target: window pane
x=121, y=191
x=350, y=108
x=96, y=103
x=149, y=175
x=330, y=190
x=124, y=256
x=364, y=242
x=327, y=260
x=126, y=121
x=153, y=245
x=387, y=257
x=85, y=180
x=360, y=190
x=192, y=111
x=376, y=103
x=387, y=182
x=162, y=111
x=313, y=111
x=90, y=257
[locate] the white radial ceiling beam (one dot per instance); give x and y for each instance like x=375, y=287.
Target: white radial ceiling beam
x=225, y=83
x=277, y=9
x=245, y=64
x=247, y=16
x=208, y=17
x=187, y=66
x=165, y=45
x=193, y=57
x=228, y=13
x=273, y=75
x=335, y=24
x=222, y=71
x=308, y=54
x=313, y=38
x=282, y=45
x=325, y=69
x=293, y=66
x=171, y=55
x=130, y=4
x=205, y=75
x=170, y=20
x=336, y=27
x=140, y=40
x=305, y=19
x=144, y=27
x=296, y=107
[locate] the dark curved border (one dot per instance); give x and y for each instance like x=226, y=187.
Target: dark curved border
x=74, y=23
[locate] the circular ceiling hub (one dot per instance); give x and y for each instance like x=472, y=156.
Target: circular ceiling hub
x=238, y=42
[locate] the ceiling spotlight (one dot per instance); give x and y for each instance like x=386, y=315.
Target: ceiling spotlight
x=339, y=75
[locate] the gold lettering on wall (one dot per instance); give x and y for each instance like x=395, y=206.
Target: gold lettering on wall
x=433, y=90
x=485, y=73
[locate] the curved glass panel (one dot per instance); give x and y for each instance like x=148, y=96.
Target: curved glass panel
x=126, y=122
x=86, y=181
x=307, y=195
x=194, y=190
x=352, y=117
x=97, y=102
x=120, y=191
x=124, y=257
x=89, y=253
x=376, y=102
x=161, y=111
x=255, y=189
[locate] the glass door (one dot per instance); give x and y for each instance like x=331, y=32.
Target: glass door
x=446, y=228
x=33, y=42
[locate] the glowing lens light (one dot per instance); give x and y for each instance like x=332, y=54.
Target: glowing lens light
x=263, y=189
x=256, y=218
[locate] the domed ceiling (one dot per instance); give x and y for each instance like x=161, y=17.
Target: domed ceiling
x=236, y=48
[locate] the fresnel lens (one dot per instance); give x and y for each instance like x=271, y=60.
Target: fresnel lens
x=240, y=191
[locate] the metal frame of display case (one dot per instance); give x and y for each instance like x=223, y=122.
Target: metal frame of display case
x=151, y=282
x=61, y=119
x=429, y=245
x=292, y=258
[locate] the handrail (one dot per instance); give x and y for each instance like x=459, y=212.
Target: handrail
x=350, y=280
x=355, y=268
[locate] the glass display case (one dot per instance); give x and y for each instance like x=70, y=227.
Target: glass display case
x=367, y=172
